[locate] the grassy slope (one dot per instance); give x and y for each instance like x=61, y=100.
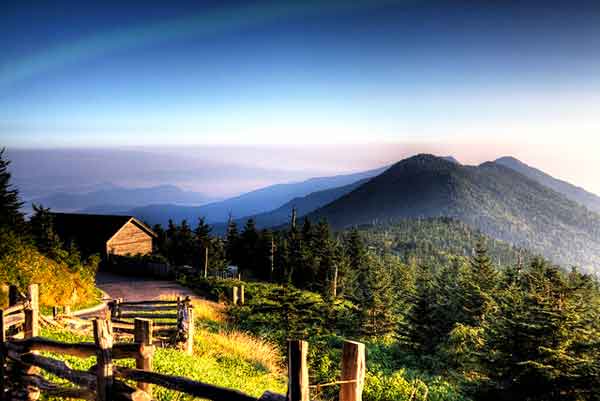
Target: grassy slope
x=222, y=356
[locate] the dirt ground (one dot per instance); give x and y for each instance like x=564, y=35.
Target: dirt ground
x=138, y=289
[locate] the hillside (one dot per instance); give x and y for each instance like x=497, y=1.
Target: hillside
x=577, y=194
x=436, y=241
x=303, y=206
x=248, y=204
x=495, y=199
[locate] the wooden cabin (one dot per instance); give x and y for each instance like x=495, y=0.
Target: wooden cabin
x=104, y=234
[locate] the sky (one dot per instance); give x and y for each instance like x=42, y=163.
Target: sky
x=302, y=80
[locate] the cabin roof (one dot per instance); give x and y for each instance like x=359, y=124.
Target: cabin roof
x=91, y=232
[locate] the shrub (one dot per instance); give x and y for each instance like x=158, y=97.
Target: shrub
x=22, y=264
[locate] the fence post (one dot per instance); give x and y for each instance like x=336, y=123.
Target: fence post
x=104, y=341
x=117, y=308
x=189, y=339
x=298, y=389
x=32, y=313
x=205, y=261
x=13, y=295
x=242, y=295
x=353, y=370
x=143, y=336
x=234, y=295
x=2, y=357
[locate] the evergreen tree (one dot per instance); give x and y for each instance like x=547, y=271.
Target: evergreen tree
x=202, y=241
x=421, y=331
x=479, y=284
x=249, y=241
x=160, y=243
x=42, y=231
x=10, y=216
x=541, y=342
x=378, y=315
x=232, y=245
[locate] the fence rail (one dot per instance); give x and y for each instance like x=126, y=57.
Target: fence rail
x=21, y=365
x=176, y=327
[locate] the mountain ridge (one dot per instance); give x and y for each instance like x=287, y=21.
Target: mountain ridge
x=573, y=192
x=251, y=203
x=495, y=199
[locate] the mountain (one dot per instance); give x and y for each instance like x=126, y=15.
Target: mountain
x=251, y=203
x=303, y=206
x=577, y=194
x=493, y=198
x=113, y=198
x=451, y=159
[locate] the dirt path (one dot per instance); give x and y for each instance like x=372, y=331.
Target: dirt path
x=138, y=289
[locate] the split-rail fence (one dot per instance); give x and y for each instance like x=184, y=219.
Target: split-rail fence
x=22, y=367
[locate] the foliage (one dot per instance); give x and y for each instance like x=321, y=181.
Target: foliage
x=10, y=215
x=22, y=264
x=223, y=356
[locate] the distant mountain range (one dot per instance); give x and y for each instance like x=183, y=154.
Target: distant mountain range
x=577, y=194
x=113, y=199
x=505, y=199
x=255, y=202
x=493, y=198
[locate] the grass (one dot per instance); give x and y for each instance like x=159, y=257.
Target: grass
x=222, y=356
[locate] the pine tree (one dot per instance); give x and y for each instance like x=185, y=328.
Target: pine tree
x=42, y=231
x=420, y=330
x=479, y=284
x=10, y=216
x=249, y=241
x=160, y=243
x=232, y=244
x=202, y=240
x=541, y=342
x=376, y=299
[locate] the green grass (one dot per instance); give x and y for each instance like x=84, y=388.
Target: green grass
x=222, y=356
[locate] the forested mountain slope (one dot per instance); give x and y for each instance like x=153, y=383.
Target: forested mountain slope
x=495, y=199
x=577, y=194
x=436, y=241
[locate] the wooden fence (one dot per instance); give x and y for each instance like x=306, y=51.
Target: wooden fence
x=21, y=365
x=173, y=320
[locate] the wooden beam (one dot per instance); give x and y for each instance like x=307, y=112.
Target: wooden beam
x=57, y=368
x=150, y=302
x=353, y=371
x=54, y=390
x=143, y=336
x=104, y=341
x=298, y=386
x=234, y=295
x=189, y=343
x=184, y=385
x=133, y=315
x=32, y=329
x=2, y=357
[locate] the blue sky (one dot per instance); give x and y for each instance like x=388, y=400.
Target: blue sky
x=117, y=74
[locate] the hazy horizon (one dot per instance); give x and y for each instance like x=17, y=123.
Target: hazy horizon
x=255, y=93
x=221, y=172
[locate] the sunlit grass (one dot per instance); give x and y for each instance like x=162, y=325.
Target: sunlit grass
x=222, y=356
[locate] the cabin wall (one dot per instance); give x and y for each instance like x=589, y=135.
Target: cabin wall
x=130, y=240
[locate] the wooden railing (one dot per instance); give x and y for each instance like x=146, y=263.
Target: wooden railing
x=173, y=320
x=21, y=365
